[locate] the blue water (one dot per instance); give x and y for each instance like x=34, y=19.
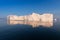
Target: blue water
x=26, y=32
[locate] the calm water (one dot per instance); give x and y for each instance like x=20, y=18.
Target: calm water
x=26, y=32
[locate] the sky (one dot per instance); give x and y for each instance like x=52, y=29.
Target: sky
x=26, y=7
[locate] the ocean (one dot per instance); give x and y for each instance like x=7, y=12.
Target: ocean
x=27, y=32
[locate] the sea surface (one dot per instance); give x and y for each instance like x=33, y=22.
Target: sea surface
x=27, y=32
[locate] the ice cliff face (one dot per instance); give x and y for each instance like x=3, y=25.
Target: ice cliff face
x=33, y=17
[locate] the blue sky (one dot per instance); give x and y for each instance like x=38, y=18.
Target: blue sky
x=25, y=7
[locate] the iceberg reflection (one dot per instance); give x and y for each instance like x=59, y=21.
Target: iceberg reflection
x=33, y=23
